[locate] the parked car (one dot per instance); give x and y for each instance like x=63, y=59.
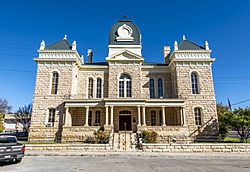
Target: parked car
x=21, y=136
x=10, y=149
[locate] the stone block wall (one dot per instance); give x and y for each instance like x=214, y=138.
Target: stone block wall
x=205, y=100
x=43, y=99
x=115, y=71
x=195, y=148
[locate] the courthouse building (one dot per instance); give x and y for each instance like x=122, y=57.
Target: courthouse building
x=73, y=98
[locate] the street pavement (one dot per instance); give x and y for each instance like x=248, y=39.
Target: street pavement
x=125, y=161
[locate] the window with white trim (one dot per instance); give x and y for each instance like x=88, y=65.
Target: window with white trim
x=90, y=118
x=51, y=117
x=54, y=84
x=160, y=88
x=197, y=115
x=99, y=88
x=90, y=88
x=194, y=80
x=125, y=87
x=152, y=88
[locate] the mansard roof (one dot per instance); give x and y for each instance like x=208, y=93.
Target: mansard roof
x=188, y=45
x=63, y=44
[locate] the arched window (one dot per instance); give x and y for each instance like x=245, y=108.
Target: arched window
x=160, y=88
x=197, y=115
x=99, y=88
x=125, y=87
x=194, y=80
x=125, y=112
x=90, y=88
x=152, y=88
x=54, y=86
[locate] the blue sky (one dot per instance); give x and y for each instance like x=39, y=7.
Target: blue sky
x=225, y=24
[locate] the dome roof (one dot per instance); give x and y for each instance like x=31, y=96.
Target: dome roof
x=124, y=32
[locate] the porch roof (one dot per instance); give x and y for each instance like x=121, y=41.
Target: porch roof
x=171, y=102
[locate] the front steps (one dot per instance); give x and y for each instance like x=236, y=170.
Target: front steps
x=125, y=141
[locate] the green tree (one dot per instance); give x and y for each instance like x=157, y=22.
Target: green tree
x=223, y=127
x=23, y=116
x=239, y=120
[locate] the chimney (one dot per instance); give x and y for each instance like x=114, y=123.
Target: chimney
x=166, y=53
x=90, y=55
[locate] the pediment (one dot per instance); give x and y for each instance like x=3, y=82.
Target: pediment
x=125, y=55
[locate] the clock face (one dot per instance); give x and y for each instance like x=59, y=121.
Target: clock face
x=124, y=33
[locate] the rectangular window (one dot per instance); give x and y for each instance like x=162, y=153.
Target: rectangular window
x=54, y=86
x=197, y=113
x=160, y=117
x=90, y=89
x=128, y=89
x=121, y=88
x=97, y=118
x=153, y=118
x=160, y=88
x=152, y=88
x=99, y=88
x=51, y=118
x=90, y=118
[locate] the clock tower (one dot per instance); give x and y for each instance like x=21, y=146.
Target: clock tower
x=124, y=35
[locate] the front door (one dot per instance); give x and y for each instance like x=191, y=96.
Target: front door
x=125, y=123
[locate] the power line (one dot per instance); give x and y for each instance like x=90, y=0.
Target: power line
x=241, y=102
x=16, y=70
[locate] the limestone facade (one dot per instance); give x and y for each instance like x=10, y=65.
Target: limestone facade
x=124, y=89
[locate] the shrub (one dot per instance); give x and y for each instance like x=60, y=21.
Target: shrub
x=101, y=136
x=1, y=122
x=149, y=136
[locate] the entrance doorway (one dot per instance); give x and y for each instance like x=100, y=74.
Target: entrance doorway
x=125, y=123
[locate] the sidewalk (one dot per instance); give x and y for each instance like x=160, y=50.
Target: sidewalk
x=142, y=154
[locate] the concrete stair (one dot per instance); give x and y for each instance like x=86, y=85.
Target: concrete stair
x=125, y=141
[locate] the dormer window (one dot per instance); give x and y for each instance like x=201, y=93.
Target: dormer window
x=125, y=87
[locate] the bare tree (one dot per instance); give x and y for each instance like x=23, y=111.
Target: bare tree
x=4, y=106
x=23, y=116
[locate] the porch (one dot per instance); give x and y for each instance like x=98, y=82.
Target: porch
x=129, y=115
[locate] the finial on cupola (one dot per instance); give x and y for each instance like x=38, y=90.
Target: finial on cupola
x=175, y=45
x=74, y=45
x=206, y=45
x=65, y=37
x=183, y=37
x=42, y=45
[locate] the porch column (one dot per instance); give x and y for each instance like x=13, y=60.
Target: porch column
x=67, y=118
x=111, y=115
x=107, y=116
x=139, y=115
x=87, y=116
x=163, y=116
x=183, y=116
x=143, y=116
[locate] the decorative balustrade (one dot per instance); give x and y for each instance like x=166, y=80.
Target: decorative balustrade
x=112, y=96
